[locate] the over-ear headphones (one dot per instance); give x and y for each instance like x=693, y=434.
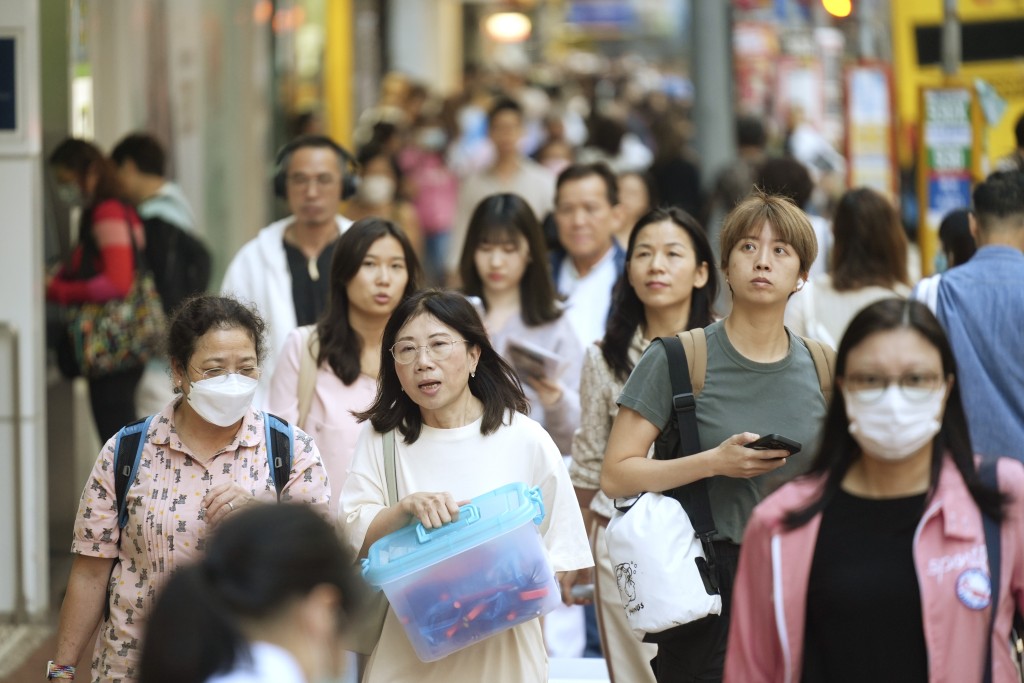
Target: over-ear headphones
x=346, y=163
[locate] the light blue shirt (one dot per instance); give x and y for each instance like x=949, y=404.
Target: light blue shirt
x=981, y=305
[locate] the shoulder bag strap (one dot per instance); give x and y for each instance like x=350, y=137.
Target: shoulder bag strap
x=989, y=477
x=309, y=352
x=141, y=266
x=824, y=358
x=694, y=496
x=390, y=472
x=695, y=343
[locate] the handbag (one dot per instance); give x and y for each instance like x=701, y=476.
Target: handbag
x=660, y=544
x=365, y=632
x=119, y=334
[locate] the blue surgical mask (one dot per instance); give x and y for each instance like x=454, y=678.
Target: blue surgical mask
x=940, y=262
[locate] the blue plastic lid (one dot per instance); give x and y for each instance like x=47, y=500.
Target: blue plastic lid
x=484, y=518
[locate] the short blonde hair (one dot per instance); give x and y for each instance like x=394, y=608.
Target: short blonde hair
x=789, y=224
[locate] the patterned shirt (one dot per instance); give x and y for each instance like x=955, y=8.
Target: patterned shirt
x=599, y=391
x=166, y=527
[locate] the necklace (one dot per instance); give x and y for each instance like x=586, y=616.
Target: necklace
x=314, y=271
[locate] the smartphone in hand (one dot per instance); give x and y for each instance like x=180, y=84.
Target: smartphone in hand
x=775, y=442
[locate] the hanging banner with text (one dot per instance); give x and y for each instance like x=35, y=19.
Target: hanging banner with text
x=947, y=160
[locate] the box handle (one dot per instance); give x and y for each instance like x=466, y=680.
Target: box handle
x=467, y=515
x=534, y=496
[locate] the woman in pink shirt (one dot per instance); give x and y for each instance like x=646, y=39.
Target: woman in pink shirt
x=373, y=269
x=874, y=566
x=203, y=458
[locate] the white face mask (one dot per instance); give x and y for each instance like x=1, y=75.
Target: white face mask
x=223, y=400
x=377, y=189
x=891, y=427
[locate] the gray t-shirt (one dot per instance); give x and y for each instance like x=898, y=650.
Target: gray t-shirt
x=739, y=395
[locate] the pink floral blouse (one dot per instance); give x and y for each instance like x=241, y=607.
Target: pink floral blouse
x=166, y=527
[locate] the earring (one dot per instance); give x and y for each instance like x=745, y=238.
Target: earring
x=800, y=284
x=473, y=374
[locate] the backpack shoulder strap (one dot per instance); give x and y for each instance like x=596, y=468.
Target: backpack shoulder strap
x=824, y=358
x=695, y=345
x=127, y=453
x=309, y=352
x=280, y=439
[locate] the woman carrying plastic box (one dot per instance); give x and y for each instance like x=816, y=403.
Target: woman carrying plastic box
x=461, y=431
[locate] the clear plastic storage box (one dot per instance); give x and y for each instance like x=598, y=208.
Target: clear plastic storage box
x=456, y=585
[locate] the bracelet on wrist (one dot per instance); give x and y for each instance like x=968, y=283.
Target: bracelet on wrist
x=62, y=672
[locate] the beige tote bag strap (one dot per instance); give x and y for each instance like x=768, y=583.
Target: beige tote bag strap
x=390, y=472
x=825, y=363
x=308, y=353
x=695, y=343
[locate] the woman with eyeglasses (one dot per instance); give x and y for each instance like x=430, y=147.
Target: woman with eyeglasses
x=461, y=430
x=203, y=458
x=874, y=566
x=505, y=263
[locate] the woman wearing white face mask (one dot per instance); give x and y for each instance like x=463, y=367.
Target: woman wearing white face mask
x=880, y=550
x=382, y=193
x=204, y=457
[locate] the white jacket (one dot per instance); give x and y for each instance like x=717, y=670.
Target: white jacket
x=258, y=274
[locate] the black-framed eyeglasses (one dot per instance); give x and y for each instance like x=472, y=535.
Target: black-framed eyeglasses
x=439, y=348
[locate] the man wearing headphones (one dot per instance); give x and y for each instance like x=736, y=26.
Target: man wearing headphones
x=285, y=269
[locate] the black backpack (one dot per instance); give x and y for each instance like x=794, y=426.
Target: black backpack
x=179, y=260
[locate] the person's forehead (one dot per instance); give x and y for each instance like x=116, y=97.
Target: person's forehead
x=506, y=117
x=64, y=174
x=314, y=159
x=424, y=324
x=587, y=188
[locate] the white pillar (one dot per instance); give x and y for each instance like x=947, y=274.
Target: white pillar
x=713, y=80
x=24, y=571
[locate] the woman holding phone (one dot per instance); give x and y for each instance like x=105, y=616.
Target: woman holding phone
x=668, y=284
x=504, y=264
x=760, y=379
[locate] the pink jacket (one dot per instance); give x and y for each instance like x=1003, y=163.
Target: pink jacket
x=770, y=594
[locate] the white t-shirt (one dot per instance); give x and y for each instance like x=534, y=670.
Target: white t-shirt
x=589, y=296
x=270, y=664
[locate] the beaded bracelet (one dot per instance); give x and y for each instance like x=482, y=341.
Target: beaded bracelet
x=60, y=671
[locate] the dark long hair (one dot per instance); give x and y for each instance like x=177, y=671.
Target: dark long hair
x=340, y=344
x=870, y=247
x=627, y=311
x=839, y=450
x=256, y=562
x=496, y=383
x=502, y=218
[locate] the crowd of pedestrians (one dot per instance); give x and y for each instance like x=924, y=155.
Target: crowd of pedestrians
x=470, y=297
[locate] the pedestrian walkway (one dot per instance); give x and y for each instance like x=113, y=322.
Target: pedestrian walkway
x=24, y=651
